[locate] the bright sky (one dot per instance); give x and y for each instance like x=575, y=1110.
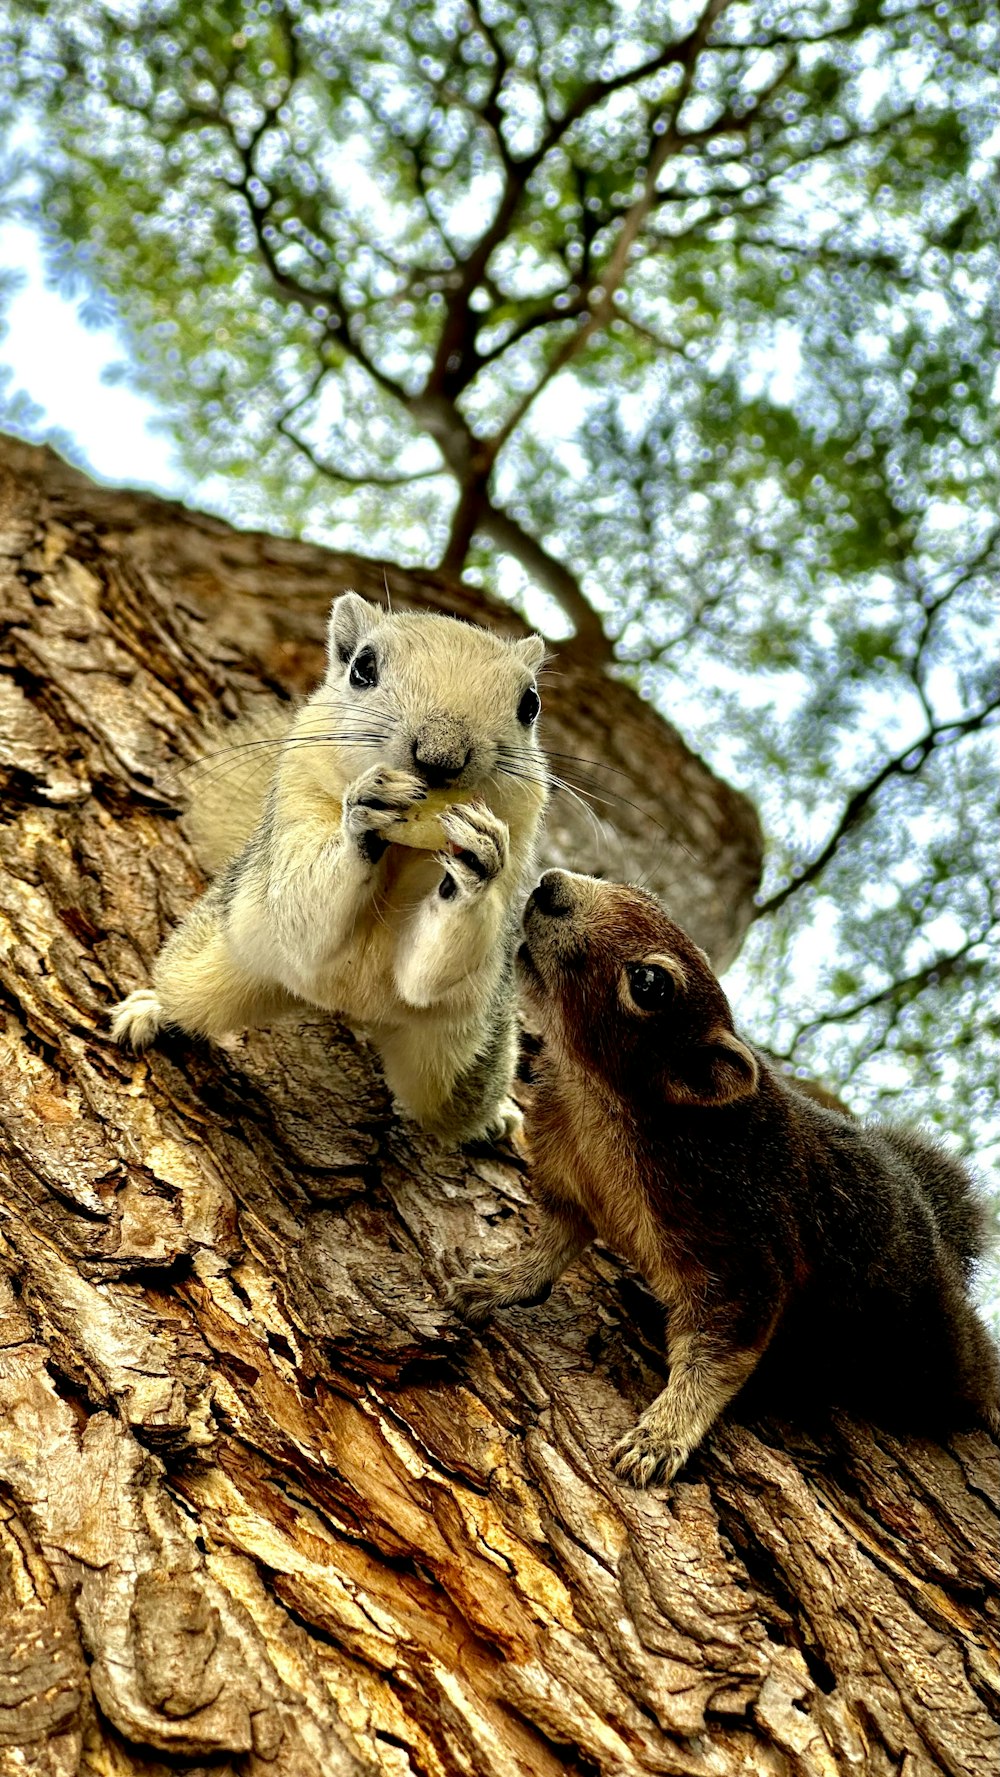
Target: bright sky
x=59, y=363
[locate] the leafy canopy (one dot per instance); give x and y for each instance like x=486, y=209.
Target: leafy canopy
x=683, y=316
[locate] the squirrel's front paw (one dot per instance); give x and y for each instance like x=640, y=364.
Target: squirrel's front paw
x=475, y=1298
x=136, y=1021
x=374, y=801
x=644, y=1456
x=481, y=845
x=488, y=1287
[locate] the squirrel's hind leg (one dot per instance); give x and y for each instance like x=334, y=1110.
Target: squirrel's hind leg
x=454, y=1074
x=198, y=987
x=507, y=1123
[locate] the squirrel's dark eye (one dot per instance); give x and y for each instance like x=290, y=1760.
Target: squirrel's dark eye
x=649, y=985
x=529, y=707
x=364, y=670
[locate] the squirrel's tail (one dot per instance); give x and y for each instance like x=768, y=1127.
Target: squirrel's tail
x=230, y=783
x=959, y=1210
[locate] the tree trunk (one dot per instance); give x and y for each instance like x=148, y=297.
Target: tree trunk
x=266, y=1508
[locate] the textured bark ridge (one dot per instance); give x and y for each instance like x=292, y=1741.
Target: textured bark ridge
x=265, y=1508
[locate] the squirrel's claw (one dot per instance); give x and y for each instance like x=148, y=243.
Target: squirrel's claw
x=642, y=1457
x=137, y=1019
x=479, y=843
x=380, y=795
x=475, y=1298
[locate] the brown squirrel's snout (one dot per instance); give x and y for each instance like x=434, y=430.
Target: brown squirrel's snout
x=553, y=895
x=631, y=994
x=555, y=926
x=571, y=918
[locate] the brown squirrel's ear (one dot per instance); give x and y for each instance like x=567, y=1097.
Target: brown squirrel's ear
x=531, y=650
x=717, y=1071
x=351, y=618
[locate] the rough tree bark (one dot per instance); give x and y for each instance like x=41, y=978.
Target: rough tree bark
x=265, y=1507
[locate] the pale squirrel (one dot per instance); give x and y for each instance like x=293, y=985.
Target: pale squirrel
x=328, y=894
x=827, y=1258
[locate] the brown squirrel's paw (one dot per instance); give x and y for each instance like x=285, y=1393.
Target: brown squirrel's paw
x=477, y=1297
x=479, y=844
x=643, y=1457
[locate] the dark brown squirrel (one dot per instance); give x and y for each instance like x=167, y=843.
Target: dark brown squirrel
x=834, y=1254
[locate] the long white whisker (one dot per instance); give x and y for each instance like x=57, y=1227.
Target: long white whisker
x=581, y=759
x=599, y=836
x=226, y=769
x=612, y=797
x=514, y=767
x=278, y=744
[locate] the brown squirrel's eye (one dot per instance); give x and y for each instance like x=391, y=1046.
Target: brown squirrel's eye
x=650, y=986
x=364, y=670
x=529, y=706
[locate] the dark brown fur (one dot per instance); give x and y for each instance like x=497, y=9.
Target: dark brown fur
x=775, y=1229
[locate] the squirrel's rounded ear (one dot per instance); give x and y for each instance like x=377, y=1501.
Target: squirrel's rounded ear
x=532, y=651
x=351, y=618
x=731, y=1069
x=717, y=1071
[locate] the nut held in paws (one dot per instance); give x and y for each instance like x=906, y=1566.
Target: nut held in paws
x=420, y=827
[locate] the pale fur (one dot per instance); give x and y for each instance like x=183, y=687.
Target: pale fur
x=300, y=913
x=233, y=782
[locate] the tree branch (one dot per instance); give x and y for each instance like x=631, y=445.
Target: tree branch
x=905, y=764
x=590, y=640
x=544, y=316
x=289, y=286
x=732, y=123
x=797, y=40
x=490, y=109
x=455, y=360
x=931, y=605
x=371, y=478
x=763, y=181
x=899, y=993
x=685, y=51
x=465, y=520
x=612, y=274
x=708, y=603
